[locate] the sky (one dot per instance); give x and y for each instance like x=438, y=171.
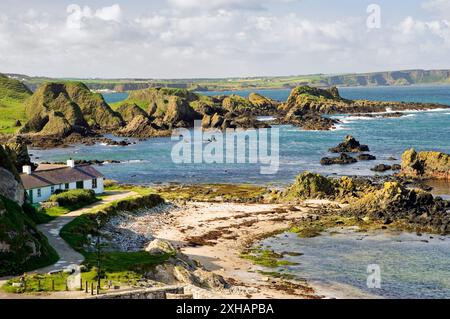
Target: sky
x=221, y=38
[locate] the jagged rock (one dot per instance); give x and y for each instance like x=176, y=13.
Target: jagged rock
x=366, y=157
x=425, y=165
x=350, y=145
x=394, y=201
x=381, y=168
x=158, y=246
x=142, y=127
x=17, y=151
x=342, y=159
x=55, y=107
x=129, y=111
x=262, y=105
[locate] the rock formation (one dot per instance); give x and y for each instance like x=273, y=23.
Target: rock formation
x=425, y=165
x=67, y=107
x=342, y=159
x=395, y=202
x=349, y=145
x=22, y=246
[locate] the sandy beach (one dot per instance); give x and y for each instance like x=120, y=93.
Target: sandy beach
x=215, y=234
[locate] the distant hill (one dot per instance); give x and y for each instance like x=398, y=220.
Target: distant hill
x=390, y=78
x=13, y=93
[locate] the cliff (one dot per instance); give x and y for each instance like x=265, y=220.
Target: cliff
x=22, y=246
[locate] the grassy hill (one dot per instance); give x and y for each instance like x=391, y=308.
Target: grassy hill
x=392, y=78
x=12, y=95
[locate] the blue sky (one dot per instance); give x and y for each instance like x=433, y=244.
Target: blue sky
x=220, y=38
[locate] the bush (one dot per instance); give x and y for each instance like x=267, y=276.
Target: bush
x=74, y=198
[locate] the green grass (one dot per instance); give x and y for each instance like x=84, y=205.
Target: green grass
x=12, y=96
x=38, y=283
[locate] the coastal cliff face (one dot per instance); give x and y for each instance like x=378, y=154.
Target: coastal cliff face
x=425, y=165
x=64, y=108
x=22, y=246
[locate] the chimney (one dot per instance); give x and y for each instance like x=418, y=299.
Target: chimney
x=71, y=163
x=26, y=169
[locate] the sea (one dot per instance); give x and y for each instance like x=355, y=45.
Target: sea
x=405, y=265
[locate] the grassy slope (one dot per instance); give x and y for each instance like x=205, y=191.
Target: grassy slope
x=12, y=95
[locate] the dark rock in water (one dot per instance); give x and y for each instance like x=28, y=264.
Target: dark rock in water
x=396, y=167
x=342, y=159
x=366, y=157
x=381, y=168
x=391, y=159
x=350, y=145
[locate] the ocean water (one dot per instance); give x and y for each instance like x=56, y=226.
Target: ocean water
x=150, y=162
x=410, y=266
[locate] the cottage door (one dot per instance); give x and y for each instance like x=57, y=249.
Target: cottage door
x=80, y=185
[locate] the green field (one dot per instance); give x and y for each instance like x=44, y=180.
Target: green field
x=12, y=96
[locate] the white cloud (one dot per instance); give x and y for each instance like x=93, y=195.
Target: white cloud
x=438, y=7
x=171, y=42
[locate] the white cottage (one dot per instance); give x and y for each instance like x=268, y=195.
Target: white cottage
x=46, y=179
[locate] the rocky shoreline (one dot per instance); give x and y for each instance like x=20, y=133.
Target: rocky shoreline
x=72, y=114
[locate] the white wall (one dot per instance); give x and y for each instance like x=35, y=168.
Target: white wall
x=46, y=192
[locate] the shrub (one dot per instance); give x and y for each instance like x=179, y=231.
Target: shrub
x=74, y=198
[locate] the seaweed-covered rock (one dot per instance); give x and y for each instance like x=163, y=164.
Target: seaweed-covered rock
x=349, y=145
x=395, y=202
x=342, y=159
x=308, y=185
x=425, y=165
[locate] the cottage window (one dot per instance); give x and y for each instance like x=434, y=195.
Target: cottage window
x=52, y=189
x=94, y=183
x=67, y=186
x=39, y=193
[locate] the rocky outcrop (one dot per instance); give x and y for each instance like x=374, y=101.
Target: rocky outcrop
x=262, y=104
x=17, y=151
x=129, y=111
x=22, y=247
x=181, y=269
x=308, y=185
x=328, y=101
x=425, y=165
x=10, y=183
x=63, y=108
x=142, y=127
x=395, y=202
x=349, y=145
x=342, y=159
